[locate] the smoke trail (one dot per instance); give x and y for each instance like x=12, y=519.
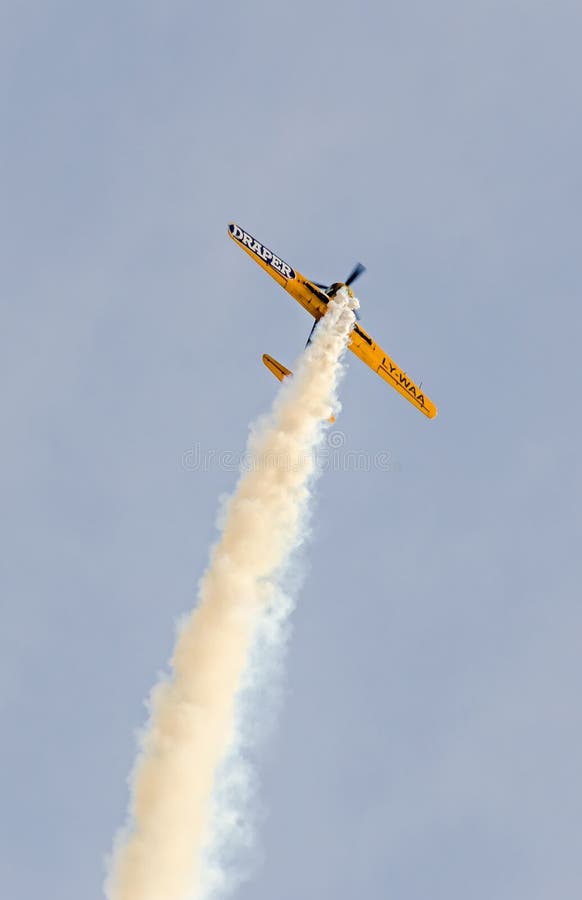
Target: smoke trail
x=192, y=727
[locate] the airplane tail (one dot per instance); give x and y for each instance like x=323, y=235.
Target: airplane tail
x=280, y=372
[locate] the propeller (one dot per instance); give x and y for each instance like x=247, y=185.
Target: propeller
x=358, y=270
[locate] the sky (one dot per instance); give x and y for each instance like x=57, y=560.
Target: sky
x=430, y=731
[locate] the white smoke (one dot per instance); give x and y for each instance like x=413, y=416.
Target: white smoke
x=182, y=816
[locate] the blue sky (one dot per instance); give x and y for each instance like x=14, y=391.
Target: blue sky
x=429, y=741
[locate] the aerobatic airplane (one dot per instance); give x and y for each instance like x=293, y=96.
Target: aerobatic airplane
x=314, y=298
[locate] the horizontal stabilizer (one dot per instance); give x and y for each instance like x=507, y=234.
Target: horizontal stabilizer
x=278, y=370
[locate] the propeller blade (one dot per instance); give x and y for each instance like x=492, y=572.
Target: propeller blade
x=323, y=287
x=358, y=270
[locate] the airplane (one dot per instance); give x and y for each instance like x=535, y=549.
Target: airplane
x=314, y=298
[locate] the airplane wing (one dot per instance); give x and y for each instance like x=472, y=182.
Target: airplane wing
x=301, y=289
x=362, y=345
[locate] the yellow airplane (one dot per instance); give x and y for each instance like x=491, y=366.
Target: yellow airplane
x=314, y=298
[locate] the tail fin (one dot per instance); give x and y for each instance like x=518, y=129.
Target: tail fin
x=280, y=372
x=275, y=367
